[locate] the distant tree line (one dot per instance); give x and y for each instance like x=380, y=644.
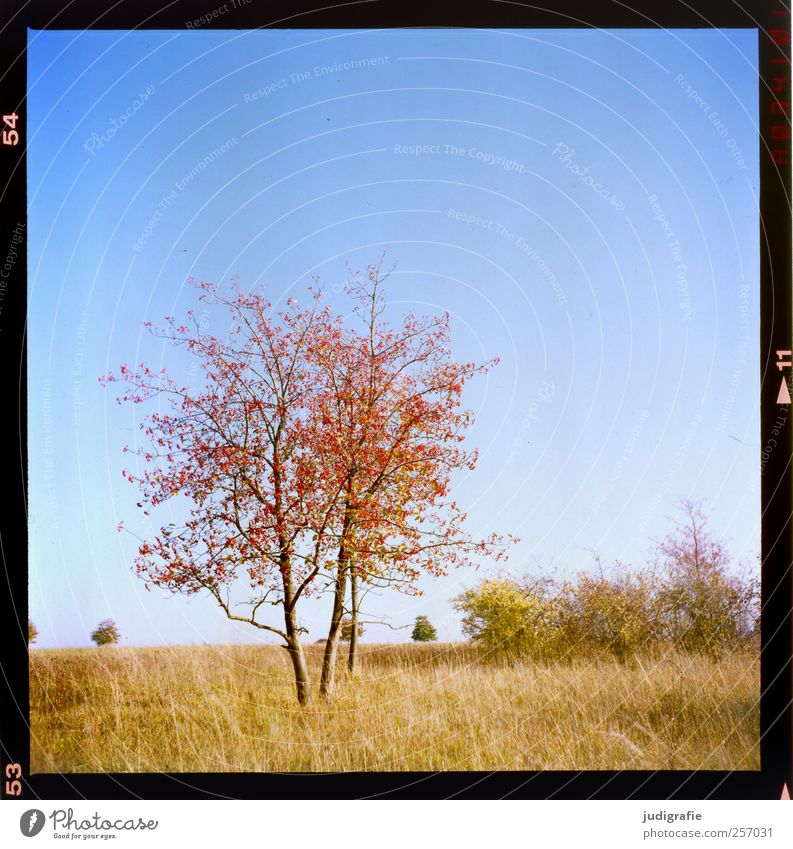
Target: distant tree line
x=688, y=597
x=105, y=634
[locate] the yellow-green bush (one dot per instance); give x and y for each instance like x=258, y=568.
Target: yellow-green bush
x=614, y=615
x=503, y=616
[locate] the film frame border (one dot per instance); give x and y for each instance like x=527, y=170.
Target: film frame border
x=771, y=19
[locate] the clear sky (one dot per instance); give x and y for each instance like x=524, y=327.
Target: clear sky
x=584, y=203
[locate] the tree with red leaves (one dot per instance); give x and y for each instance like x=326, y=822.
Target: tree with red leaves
x=311, y=451
x=390, y=399
x=237, y=452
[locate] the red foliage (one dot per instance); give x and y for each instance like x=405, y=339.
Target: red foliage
x=309, y=440
x=389, y=423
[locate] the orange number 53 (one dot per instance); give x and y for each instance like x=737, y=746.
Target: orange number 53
x=13, y=787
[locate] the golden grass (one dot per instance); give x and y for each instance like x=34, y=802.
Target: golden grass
x=411, y=707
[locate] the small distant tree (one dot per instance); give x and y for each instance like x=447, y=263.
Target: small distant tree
x=33, y=632
x=424, y=631
x=347, y=629
x=106, y=633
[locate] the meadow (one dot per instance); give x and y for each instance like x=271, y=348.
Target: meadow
x=409, y=707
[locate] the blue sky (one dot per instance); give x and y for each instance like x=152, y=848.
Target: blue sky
x=584, y=203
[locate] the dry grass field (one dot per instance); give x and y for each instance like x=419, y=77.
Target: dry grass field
x=410, y=707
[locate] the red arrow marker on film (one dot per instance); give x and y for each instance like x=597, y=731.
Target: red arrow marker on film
x=785, y=793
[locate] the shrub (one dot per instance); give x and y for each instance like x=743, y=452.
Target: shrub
x=346, y=629
x=424, y=631
x=613, y=614
x=33, y=632
x=701, y=605
x=106, y=633
x=688, y=598
x=503, y=615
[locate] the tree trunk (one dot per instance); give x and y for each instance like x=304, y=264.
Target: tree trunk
x=353, y=656
x=293, y=644
x=296, y=653
x=332, y=644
